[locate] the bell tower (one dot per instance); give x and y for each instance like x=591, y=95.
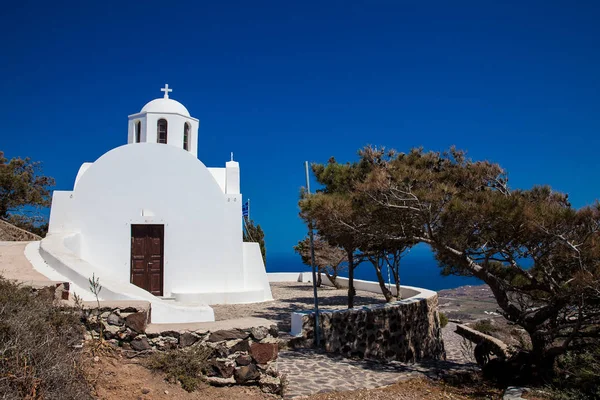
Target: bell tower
x=165, y=121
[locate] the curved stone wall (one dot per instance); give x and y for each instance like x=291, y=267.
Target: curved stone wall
x=407, y=330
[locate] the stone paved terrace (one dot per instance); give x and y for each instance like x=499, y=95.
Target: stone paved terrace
x=311, y=371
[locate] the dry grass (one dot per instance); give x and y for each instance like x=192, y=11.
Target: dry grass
x=39, y=357
x=185, y=366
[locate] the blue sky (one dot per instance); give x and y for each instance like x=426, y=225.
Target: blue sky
x=281, y=82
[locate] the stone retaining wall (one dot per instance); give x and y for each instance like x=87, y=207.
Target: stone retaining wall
x=406, y=330
x=239, y=356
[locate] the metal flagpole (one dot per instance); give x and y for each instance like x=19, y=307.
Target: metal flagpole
x=312, y=264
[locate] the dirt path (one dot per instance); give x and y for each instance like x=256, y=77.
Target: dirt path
x=14, y=264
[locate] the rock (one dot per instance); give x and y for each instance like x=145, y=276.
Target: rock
x=259, y=332
x=271, y=340
x=244, y=359
x=264, y=352
x=228, y=334
x=274, y=331
x=217, y=381
x=233, y=346
x=173, y=334
x=246, y=373
x=114, y=319
x=145, y=390
x=137, y=321
x=224, y=367
x=514, y=393
x=271, y=384
x=166, y=392
x=188, y=339
x=272, y=369
x=110, y=331
x=96, y=359
x=219, y=349
x=140, y=343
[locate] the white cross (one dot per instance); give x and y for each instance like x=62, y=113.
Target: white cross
x=166, y=90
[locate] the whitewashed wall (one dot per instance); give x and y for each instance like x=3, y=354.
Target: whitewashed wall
x=148, y=183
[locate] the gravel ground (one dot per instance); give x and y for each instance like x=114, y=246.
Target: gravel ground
x=290, y=297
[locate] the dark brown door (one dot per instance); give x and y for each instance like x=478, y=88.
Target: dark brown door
x=147, y=244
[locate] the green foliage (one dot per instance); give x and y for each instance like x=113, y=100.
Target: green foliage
x=539, y=255
x=183, y=365
x=484, y=326
x=37, y=339
x=328, y=259
x=23, y=188
x=578, y=374
x=21, y=184
x=254, y=233
x=34, y=223
x=443, y=320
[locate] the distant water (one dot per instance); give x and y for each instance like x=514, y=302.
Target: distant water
x=418, y=268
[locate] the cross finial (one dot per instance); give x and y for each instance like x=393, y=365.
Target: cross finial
x=232, y=156
x=166, y=90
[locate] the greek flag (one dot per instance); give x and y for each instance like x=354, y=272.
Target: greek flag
x=245, y=209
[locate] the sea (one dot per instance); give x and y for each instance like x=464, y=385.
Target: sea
x=418, y=268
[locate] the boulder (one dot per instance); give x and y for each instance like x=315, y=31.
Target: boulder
x=264, y=352
x=229, y=334
x=140, y=343
x=241, y=346
x=271, y=384
x=114, y=319
x=188, y=339
x=259, y=332
x=223, y=367
x=172, y=334
x=137, y=321
x=246, y=373
x=244, y=359
x=218, y=381
x=110, y=331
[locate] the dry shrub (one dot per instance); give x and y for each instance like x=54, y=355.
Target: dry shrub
x=184, y=365
x=38, y=359
x=485, y=326
x=443, y=320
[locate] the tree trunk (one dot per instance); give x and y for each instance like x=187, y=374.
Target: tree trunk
x=351, y=291
x=396, y=272
x=333, y=279
x=384, y=289
x=319, y=279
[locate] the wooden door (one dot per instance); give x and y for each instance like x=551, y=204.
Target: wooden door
x=147, y=247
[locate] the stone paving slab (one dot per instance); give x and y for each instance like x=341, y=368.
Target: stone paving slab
x=309, y=371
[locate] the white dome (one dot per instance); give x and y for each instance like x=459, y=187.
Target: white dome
x=163, y=105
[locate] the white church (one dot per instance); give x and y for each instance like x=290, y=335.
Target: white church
x=152, y=222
